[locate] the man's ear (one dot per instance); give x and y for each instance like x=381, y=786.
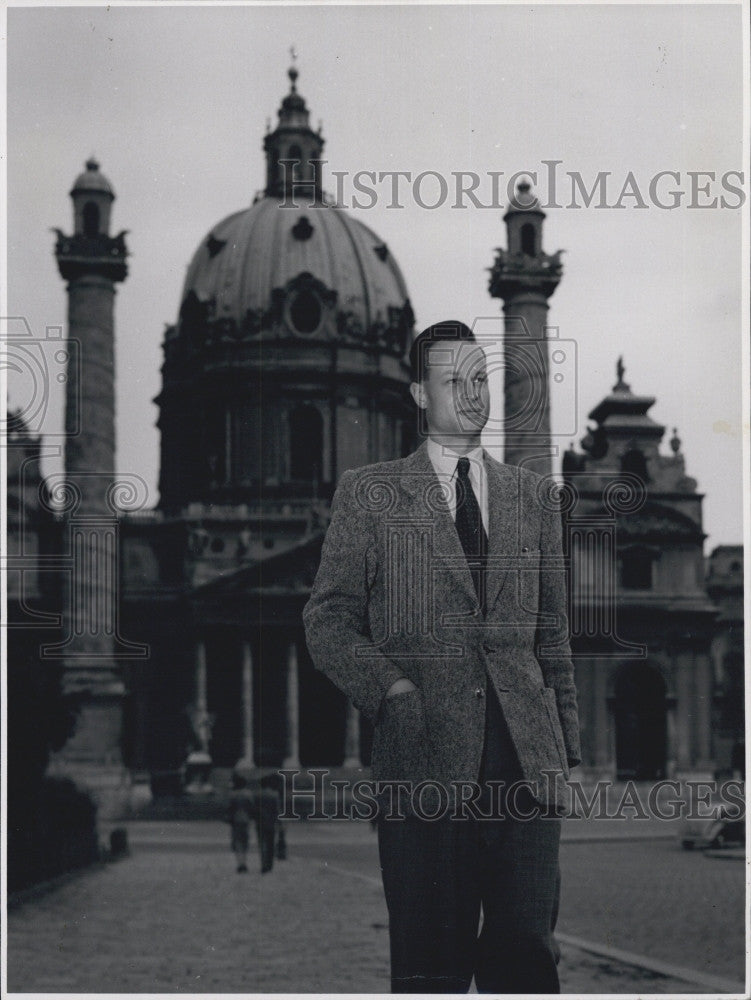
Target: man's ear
x=418, y=394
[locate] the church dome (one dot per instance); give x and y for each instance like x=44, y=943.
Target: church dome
x=311, y=269
x=288, y=360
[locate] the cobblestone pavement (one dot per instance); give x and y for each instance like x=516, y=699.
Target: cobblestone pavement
x=656, y=899
x=175, y=917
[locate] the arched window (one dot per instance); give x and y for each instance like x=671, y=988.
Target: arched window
x=305, y=311
x=193, y=319
x=306, y=444
x=217, y=439
x=90, y=219
x=529, y=239
x=295, y=153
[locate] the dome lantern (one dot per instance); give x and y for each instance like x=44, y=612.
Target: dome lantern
x=92, y=197
x=293, y=150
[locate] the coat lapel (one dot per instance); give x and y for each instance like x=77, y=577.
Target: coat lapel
x=427, y=501
x=503, y=526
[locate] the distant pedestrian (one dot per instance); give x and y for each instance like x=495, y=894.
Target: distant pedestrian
x=242, y=809
x=270, y=828
x=267, y=818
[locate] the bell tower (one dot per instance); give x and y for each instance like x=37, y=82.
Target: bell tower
x=525, y=277
x=91, y=262
x=293, y=151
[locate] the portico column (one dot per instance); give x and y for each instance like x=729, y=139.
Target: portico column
x=202, y=708
x=672, y=741
x=703, y=709
x=352, y=737
x=683, y=712
x=293, y=709
x=247, y=682
x=198, y=761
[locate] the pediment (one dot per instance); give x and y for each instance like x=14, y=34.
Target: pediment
x=288, y=573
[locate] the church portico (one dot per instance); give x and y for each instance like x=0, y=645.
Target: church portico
x=267, y=705
x=258, y=703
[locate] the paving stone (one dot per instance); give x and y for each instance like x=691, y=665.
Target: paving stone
x=174, y=916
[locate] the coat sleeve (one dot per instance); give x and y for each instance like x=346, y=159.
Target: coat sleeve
x=336, y=616
x=552, y=641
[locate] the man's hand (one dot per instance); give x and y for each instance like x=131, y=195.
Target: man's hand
x=401, y=686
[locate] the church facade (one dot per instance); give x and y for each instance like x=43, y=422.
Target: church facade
x=642, y=620
x=286, y=366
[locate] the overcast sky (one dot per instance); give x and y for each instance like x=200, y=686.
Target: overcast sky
x=174, y=100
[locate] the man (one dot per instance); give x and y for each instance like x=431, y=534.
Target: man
x=439, y=608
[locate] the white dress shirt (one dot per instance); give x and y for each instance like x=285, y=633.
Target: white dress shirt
x=444, y=461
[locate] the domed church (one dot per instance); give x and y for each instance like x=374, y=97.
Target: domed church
x=286, y=366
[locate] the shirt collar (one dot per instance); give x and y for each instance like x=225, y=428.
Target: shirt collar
x=444, y=459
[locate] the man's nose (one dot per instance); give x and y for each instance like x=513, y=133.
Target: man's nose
x=473, y=390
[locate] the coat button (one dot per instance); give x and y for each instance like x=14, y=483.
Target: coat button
x=525, y=548
x=480, y=693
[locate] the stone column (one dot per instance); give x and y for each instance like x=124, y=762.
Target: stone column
x=683, y=711
x=92, y=262
x=248, y=758
x=200, y=681
x=90, y=598
x=525, y=277
x=293, y=709
x=703, y=709
x=352, y=737
x=670, y=724
x=91, y=591
x=198, y=762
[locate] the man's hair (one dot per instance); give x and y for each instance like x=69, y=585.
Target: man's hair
x=446, y=330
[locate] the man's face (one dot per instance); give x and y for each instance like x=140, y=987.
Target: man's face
x=454, y=391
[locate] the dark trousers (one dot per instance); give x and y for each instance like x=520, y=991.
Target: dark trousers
x=439, y=875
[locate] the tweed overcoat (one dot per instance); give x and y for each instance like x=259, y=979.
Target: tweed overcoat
x=394, y=597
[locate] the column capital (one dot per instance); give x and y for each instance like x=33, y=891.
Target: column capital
x=514, y=274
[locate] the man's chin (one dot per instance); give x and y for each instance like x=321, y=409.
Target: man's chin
x=470, y=426
x=456, y=438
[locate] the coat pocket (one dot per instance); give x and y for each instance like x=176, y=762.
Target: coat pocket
x=399, y=739
x=548, y=696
